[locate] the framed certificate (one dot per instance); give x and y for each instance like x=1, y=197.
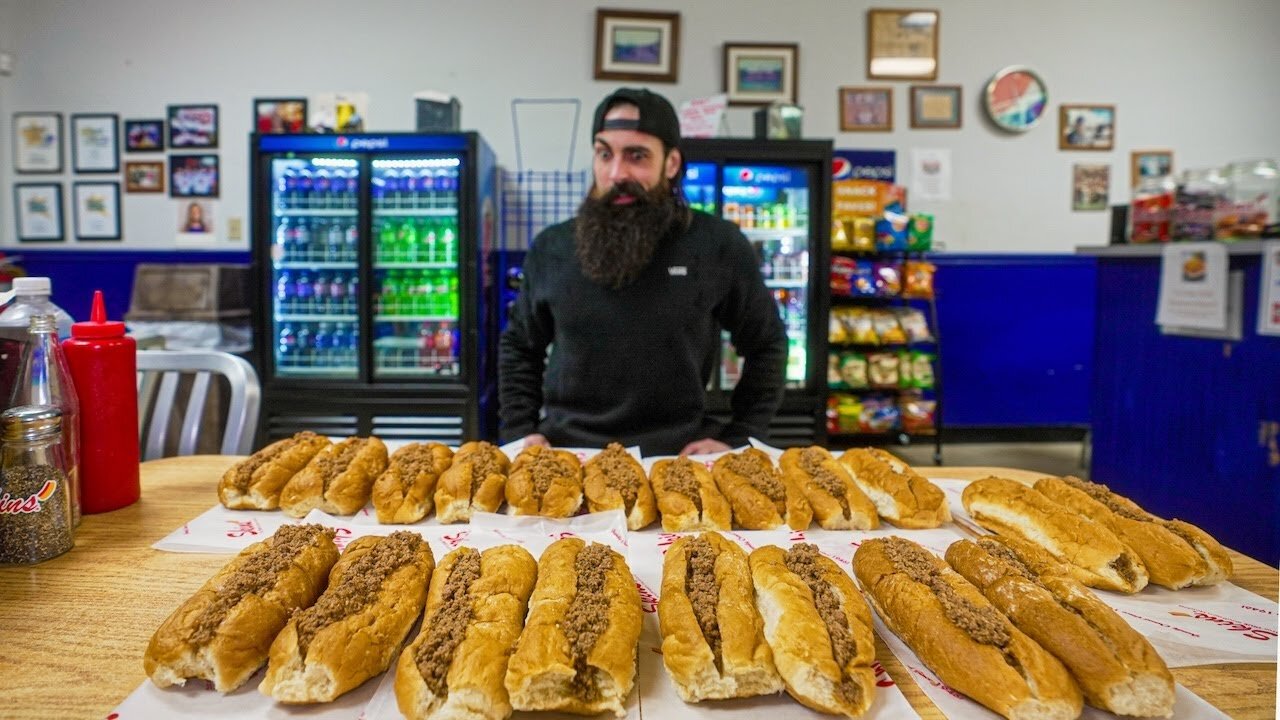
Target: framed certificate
x=95, y=143
x=902, y=44
x=38, y=207
x=97, y=210
x=37, y=142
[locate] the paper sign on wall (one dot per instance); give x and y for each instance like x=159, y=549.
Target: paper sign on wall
x=1193, y=286
x=701, y=117
x=1269, y=296
x=931, y=174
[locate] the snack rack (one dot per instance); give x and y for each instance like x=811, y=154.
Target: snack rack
x=906, y=393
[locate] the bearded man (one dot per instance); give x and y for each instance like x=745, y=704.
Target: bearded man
x=630, y=297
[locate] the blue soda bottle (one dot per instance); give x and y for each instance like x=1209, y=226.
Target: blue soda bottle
x=338, y=293
x=353, y=290
x=339, y=343
x=306, y=184
x=411, y=182
x=302, y=241
x=302, y=292
x=302, y=348
x=320, y=341
x=378, y=193
x=320, y=294
x=322, y=184
x=391, y=182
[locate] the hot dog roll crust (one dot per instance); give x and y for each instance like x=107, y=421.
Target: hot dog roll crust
x=544, y=481
x=613, y=479
x=255, y=483
x=223, y=632
x=475, y=609
x=1013, y=509
x=338, y=480
x=1172, y=560
x=836, y=501
x=403, y=493
x=688, y=497
x=713, y=644
x=761, y=497
x=901, y=495
x=354, y=631
x=1116, y=667
x=577, y=652
x=475, y=480
x=819, y=627
x=956, y=631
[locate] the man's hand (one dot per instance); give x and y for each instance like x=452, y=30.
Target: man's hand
x=704, y=446
x=536, y=439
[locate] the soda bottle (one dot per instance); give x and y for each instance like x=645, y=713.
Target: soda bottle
x=449, y=241
x=286, y=346
x=408, y=241
x=321, y=185
x=426, y=345
x=350, y=190
x=280, y=245
x=284, y=292
x=428, y=184
x=335, y=242
x=429, y=250
x=441, y=292
x=390, y=294
x=378, y=193
x=320, y=294
x=391, y=185
x=302, y=241
x=351, y=243
x=302, y=292
x=338, y=293
x=386, y=241
x=444, y=344
x=411, y=182
x=302, y=351
x=320, y=342
x=339, y=342
x=353, y=290
x=302, y=198
x=453, y=293
x=286, y=186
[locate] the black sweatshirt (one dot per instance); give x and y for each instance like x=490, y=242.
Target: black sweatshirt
x=632, y=365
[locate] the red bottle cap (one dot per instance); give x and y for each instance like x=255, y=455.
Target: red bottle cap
x=98, y=326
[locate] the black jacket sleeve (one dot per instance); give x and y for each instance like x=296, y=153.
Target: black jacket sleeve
x=750, y=316
x=522, y=358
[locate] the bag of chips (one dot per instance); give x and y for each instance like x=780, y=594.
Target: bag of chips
x=913, y=324
x=917, y=281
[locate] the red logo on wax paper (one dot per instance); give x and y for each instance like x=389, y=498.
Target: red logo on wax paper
x=882, y=677
x=648, y=600
x=797, y=536
x=562, y=535
x=1253, y=632
x=743, y=541
x=240, y=528
x=32, y=503
x=620, y=537
x=456, y=539
x=666, y=540
x=342, y=537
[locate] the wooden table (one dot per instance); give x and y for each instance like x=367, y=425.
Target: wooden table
x=73, y=630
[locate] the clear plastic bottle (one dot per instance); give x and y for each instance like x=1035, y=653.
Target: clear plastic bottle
x=30, y=297
x=45, y=379
x=1255, y=196
x=35, y=508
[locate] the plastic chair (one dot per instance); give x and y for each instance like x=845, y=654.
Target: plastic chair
x=159, y=373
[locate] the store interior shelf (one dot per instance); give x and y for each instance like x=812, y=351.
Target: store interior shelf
x=334, y=370
x=414, y=318
x=775, y=233
x=413, y=265
x=876, y=299
x=316, y=265
x=316, y=212
x=415, y=212
x=316, y=317
x=882, y=347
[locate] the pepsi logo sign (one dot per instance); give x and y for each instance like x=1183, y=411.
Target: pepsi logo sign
x=343, y=141
x=745, y=174
x=841, y=168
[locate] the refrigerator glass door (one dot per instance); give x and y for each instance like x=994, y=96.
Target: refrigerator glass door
x=770, y=203
x=314, y=239
x=415, y=267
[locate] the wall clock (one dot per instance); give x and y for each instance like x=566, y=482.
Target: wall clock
x=1015, y=99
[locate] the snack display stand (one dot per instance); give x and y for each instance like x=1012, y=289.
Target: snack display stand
x=77, y=626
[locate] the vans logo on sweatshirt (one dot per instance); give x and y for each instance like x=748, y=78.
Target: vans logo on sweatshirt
x=677, y=271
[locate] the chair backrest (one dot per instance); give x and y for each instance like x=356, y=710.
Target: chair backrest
x=159, y=373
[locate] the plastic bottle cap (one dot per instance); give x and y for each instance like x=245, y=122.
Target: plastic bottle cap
x=32, y=286
x=98, y=326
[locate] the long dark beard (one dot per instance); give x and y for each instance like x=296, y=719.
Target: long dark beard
x=615, y=243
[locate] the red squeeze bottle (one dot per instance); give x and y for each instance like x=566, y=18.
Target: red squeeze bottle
x=104, y=367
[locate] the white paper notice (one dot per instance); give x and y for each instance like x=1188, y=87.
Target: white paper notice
x=930, y=175
x=1269, y=297
x=1193, y=286
x=701, y=117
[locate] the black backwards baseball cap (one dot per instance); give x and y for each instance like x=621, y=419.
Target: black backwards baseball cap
x=657, y=117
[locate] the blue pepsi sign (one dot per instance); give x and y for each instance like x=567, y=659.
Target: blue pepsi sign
x=393, y=142
x=863, y=165
x=764, y=176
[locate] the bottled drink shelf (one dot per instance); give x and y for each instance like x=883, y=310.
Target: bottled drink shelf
x=315, y=317
x=775, y=233
x=315, y=212
x=415, y=318
x=415, y=212
x=316, y=265
x=413, y=265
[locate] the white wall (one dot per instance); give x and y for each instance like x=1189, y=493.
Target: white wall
x=1191, y=75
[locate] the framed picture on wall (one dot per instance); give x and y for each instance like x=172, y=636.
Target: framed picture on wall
x=97, y=210
x=279, y=115
x=1149, y=163
x=1090, y=187
x=38, y=210
x=37, y=142
x=902, y=44
x=144, y=177
x=1086, y=127
x=143, y=135
x=637, y=45
x=761, y=73
x=935, y=107
x=866, y=109
x=95, y=143
x=193, y=126
x=193, y=176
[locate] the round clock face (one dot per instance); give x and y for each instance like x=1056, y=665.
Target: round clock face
x=1016, y=99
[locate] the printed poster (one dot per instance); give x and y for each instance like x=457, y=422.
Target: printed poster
x=1269, y=296
x=931, y=175
x=1193, y=286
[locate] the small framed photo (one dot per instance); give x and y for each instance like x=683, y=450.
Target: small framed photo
x=1090, y=187
x=902, y=44
x=37, y=142
x=637, y=45
x=935, y=107
x=275, y=116
x=193, y=126
x=1086, y=127
x=97, y=210
x=1149, y=163
x=144, y=135
x=193, y=176
x=195, y=217
x=761, y=74
x=95, y=143
x=867, y=109
x=144, y=177
x=38, y=209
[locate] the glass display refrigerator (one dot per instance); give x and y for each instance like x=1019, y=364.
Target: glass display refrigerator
x=779, y=193
x=371, y=254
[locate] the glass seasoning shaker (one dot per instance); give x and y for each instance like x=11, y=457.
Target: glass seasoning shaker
x=35, y=505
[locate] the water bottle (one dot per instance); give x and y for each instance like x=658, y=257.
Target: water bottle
x=30, y=297
x=45, y=379
x=104, y=368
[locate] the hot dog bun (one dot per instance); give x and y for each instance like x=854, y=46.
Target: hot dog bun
x=353, y=632
x=577, y=652
x=1013, y=509
x=713, y=644
x=688, y=498
x=761, y=497
x=1117, y=668
x=955, y=631
x=403, y=493
x=901, y=495
x=223, y=632
x=836, y=501
x=545, y=481
x=475, y=609
x=819, y=628
x=613, y=479
x=255, y=483
x=475, y=479
x=338, y=480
